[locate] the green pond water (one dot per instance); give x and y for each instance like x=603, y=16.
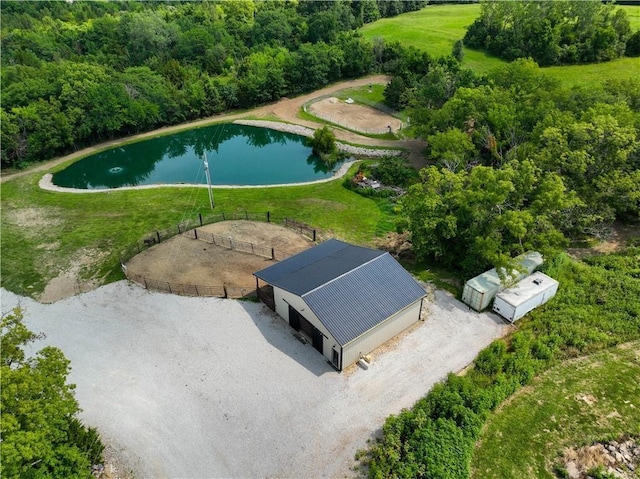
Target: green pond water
x=237, y=155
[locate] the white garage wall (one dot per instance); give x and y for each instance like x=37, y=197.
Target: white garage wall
x=283, y=299
x=380, y=334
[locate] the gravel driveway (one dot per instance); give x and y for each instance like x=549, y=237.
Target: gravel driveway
x=207, y=387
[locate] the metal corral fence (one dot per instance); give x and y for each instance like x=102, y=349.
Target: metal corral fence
x=266, y=251
x=189, y=228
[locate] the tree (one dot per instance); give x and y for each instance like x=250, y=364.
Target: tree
x=323, y=141
x=452, y=149
x=474, y=219
x=599, y=159
x=552, y=33
x=41, y=436
x=458, y=50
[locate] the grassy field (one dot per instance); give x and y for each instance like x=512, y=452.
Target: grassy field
x=586, y=400
x=436, y=28
x=45, y=233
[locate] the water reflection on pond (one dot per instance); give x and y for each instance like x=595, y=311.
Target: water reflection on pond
x=237, y=155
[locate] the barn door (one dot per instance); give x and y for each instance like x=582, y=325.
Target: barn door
x=294, y=318
x=317, y=340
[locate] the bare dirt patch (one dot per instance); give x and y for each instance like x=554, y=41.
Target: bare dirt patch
x=353, y=116
x=71, y=281
x=621, y=236
x=183, y=260
x=32, y=218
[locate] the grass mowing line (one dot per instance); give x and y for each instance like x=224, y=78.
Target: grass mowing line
x=44, y=232
x=578, y=402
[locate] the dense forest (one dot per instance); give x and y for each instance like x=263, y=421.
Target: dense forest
x=519, y=162
x=78, y=73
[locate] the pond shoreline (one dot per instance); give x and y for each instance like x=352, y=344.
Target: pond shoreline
x=46, y=183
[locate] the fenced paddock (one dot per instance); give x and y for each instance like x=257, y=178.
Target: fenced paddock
x=374, y=119
x=214, y=256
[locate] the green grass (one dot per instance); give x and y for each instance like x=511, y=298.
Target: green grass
x=436, y=28
x=633, y=14
x=364, y=94
x=581, y=401
x=44, y=233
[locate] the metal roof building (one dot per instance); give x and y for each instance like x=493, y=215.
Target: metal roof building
x=346, y=300
x=478, y=292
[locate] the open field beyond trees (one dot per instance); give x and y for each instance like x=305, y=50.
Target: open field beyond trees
x=436, y=28
x=582, y=401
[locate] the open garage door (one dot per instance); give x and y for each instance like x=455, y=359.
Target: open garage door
x=308, y=330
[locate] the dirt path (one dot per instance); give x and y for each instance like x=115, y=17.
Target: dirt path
x=286, y=110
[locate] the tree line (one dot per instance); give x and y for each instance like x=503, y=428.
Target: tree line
x=74, y=74
x=561, y=32
x=517, y=162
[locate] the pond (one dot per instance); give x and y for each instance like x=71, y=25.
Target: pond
x=237, y=155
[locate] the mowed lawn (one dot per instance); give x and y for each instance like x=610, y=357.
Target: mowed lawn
x=44, y=233
x=436, y=28
x=582, y=401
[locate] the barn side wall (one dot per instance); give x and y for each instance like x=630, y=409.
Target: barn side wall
x=382, y=333
x=283, y=299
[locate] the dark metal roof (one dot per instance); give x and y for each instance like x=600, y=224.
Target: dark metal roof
x=349, y=288
x=316, y=266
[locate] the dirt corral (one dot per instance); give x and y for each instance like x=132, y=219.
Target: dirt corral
x=183, y=260
x=353, y=116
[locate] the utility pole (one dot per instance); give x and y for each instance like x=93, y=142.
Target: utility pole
x=208, y=174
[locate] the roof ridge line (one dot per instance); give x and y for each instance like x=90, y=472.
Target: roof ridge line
x=344, y=274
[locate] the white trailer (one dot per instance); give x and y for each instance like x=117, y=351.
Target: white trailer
x=531, y=292
x=478, y=292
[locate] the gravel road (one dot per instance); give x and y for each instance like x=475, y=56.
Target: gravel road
x=207, y=387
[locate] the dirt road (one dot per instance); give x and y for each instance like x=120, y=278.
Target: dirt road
x=286, y=110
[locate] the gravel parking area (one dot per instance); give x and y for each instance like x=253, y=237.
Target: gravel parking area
x=207, y=387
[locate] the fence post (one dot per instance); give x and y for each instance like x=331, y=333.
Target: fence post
x=314, y=235
x=158, y=235
x=196, y=288
x=224, y=288
x=223, y=216
x=268, y=217
x=273, y=254
x=200, y=217
x=195, y=232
